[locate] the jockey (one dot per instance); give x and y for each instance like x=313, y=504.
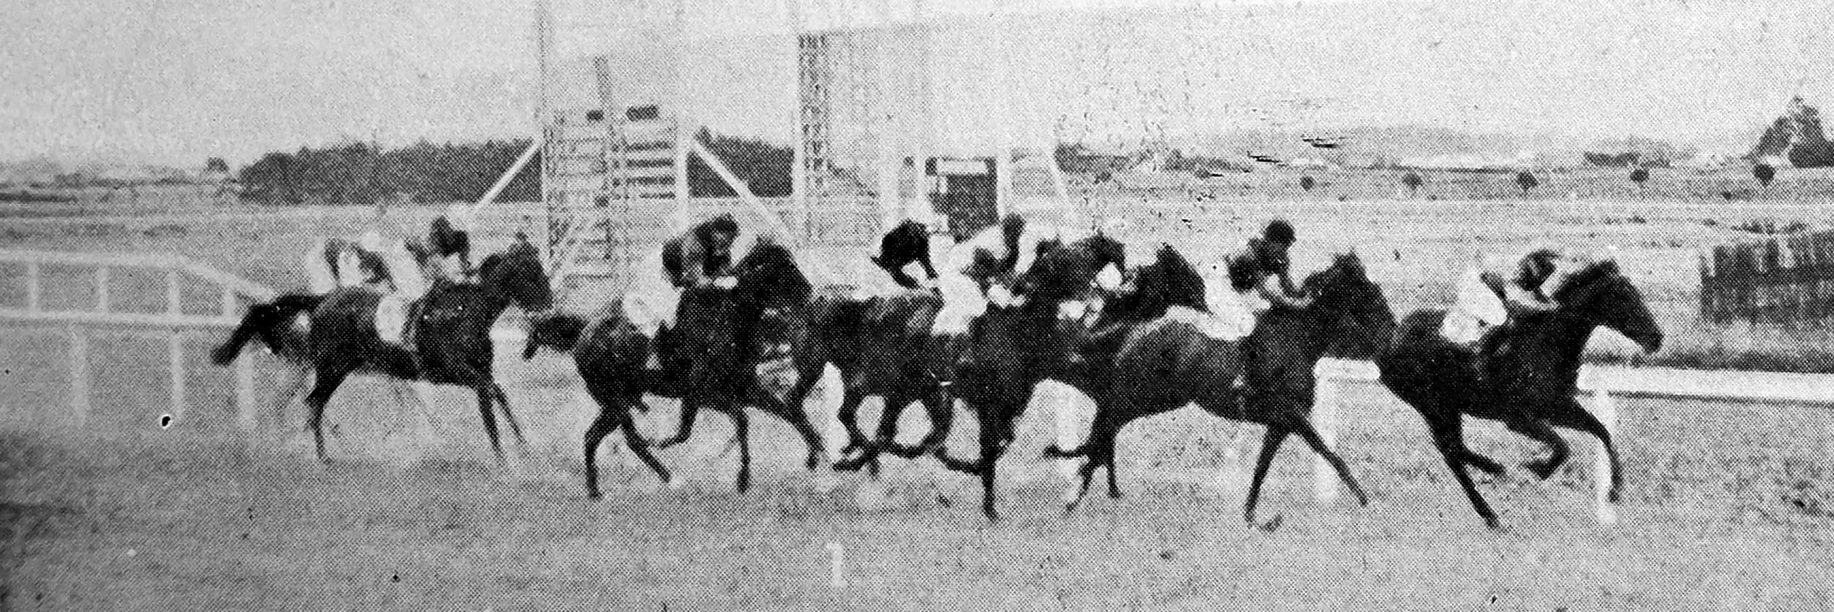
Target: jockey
x=701, y=256
x=904, y=245
x=1494, y=295
x=981, y=271
x=404, y=281
x=1258, y=275
x=450, y=241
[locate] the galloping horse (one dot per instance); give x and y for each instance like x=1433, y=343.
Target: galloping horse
x=720, y=355
x=1011, y=349
x=610, y=353
x=1534, y=388
x=451, y=344
x=882, y=346
x=1165, y=363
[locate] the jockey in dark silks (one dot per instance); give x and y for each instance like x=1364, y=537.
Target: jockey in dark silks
x=1523, y=294
x=1263, y=268
x=450, y=238
x=906, y=244
x=701, y=257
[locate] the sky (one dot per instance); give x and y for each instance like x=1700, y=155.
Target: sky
x=177, y=81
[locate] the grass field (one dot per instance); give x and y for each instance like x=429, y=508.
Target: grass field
x=1725, y=506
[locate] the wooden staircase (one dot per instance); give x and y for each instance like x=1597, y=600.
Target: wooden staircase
x=614, y=180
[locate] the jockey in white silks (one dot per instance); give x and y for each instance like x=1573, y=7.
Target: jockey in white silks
x=1257, y=279
x=405, y=277
x=981, y=270
x=1494, y=292
x=698, y=256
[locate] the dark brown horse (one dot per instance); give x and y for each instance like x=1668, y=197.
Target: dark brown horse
x=1534, y=388
x=451, y=339
x=611, y=353
x=1010, y=350
x=1164, y=364
x=882, y=346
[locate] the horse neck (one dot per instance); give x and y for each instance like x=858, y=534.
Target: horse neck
x=494, y=302
x=1561, y=337
x=1304, y=333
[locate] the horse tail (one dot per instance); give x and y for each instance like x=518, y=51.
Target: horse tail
x=272, y=323
x=557, y=330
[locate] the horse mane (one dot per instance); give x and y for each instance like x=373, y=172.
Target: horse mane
x=1055, y=273
x=560, y=330
x=1587, y=272
x=1169, y=281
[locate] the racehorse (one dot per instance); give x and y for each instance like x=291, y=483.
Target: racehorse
x=1165, y=363
x=1533, y=390
x=611, y=352
x=882, y=346
x=1010, y=349
x=450, y=345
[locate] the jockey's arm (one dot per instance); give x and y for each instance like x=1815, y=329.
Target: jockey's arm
x=1286, y=285
x=1522, y=302
x=1273, y=288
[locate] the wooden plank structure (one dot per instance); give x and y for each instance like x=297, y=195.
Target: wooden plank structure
x=174, y=324
x=1781, y=280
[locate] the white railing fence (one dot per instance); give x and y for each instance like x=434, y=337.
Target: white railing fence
x=1600, y=385
x=105, y=316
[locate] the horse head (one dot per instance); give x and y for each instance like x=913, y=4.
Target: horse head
x=517, y=276
x=557, y=330
x=1345, y=295
x=1169, y=281
x=1067, y=271
x=1598, y=293
x=768, y=277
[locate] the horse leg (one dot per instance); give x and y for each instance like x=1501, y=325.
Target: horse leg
x=741, y=432
x=942, y=416
x=887, y=436
x=490, y=420
x=1317, y=442
x=992, y=443
x=1577, y=417
x=690, y=407
x=848, y=415
x=329, y=377
x=797, y=419
x=601, y=427
x=295, y=385
x=503, y=402
x=1099, y=453
x=1270, y=445
x=1539, y=430
x=634, y=441
x=1448, y=434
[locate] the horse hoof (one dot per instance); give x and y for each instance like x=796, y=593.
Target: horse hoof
x=593, y=495
x=1272, y=525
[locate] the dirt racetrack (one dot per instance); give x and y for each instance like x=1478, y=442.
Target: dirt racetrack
x=1726, y=507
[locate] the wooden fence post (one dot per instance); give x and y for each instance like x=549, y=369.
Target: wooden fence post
x=245, y=392
x=1604, y=408
x=79, y=375
x=102, y=289
x=1324, y=419
x=175, y=358
x=32, y=298
x=175, y=306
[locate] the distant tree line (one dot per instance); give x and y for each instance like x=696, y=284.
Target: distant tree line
x=364, y=173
